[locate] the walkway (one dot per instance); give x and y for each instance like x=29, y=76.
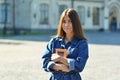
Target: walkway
x=20, y=57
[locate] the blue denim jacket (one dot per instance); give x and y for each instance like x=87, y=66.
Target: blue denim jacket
x=77, y=55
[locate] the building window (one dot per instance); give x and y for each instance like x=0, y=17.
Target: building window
x=2, y=13
x=44, y=13
x=96, y=15
x=81, y=13
x=88, y=12
x=4, y=9
x=8, y=14
x=61, y=9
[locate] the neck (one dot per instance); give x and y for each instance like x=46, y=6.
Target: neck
x=68, y=37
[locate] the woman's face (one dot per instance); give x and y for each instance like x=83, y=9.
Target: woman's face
x=67, y=25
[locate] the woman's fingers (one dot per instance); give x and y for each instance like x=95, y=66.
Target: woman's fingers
x=55, y=57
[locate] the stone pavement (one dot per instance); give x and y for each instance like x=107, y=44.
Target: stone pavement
x=20, y=57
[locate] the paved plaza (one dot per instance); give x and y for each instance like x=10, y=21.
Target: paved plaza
x=20, y=57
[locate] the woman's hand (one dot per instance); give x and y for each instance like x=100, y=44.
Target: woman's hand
x=55, y=57
x=64, y=61
x=64, y=68
x=61, y=67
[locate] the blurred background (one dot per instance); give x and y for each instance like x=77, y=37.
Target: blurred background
x=26, y=27
x=18, y=16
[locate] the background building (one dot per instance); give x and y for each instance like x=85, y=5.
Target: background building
x=44, y=14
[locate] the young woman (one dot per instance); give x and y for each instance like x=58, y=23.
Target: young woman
x=70, y=37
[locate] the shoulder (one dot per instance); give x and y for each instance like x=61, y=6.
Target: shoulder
x=54, y=39
x=83, y=42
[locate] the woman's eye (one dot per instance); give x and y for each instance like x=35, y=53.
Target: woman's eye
x=69, y=21
x=64, y=21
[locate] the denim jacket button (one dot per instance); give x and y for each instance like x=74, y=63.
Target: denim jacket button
x=78, y=58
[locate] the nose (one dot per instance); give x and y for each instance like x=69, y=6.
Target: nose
x=66, y=24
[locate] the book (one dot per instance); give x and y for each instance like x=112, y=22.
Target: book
x=62, y=52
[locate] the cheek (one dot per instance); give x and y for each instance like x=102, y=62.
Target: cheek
x=71, y=27
x=63, y=26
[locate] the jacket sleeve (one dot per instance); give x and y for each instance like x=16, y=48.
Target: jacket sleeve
x=78, y=64
x=46, y=58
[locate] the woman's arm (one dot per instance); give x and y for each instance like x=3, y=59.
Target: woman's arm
x=46, y=58
x=80, y=61
x=61, y=67
x=49, y=59
x=77, y=64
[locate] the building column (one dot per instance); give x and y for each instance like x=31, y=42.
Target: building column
x=52, y=15
x=119, y=17
x=106, y=15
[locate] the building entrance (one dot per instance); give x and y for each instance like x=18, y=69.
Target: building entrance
x=113, y=18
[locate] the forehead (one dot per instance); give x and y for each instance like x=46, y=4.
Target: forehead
x=66, y=17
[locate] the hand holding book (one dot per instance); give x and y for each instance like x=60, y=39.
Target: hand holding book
x=60, y=57
x=61, y=67
x=55, y=57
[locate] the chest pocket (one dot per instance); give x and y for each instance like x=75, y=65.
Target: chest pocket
x=72, y=53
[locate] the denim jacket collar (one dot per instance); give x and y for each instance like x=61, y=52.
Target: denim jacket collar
x=73, y=41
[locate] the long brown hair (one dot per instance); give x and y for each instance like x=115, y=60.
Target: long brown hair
x=77, y=27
